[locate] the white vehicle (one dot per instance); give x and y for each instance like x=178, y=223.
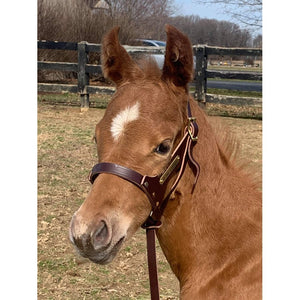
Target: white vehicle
x=159, y=58
x=153, y=43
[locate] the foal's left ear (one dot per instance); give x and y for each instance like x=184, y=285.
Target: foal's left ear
x=178, y=65
x=116, y=62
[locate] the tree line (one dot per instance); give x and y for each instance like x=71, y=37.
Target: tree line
x=86, y=20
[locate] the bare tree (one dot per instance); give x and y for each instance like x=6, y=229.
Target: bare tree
x=139, y=18
x=212, y=32
x=247, y=12
x=257, y=41
x=76, y=20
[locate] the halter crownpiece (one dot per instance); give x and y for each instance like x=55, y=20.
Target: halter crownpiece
x=155, y=188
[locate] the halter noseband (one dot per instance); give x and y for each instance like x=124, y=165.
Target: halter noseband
x=155, y=188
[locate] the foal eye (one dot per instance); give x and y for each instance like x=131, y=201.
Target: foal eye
x=163, y=148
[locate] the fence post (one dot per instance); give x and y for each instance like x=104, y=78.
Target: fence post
x=83, y=76
x=201, y=81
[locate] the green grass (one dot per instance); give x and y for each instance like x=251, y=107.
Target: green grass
x=57, y=264
x=83, y=135
x=99, y=101
x=235, y=93
x=235, y=68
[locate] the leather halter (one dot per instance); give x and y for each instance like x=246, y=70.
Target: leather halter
x=155, y=188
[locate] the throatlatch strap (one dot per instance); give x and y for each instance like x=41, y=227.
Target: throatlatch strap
x=152, y=267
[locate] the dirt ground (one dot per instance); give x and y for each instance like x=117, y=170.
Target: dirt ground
x=66, y=153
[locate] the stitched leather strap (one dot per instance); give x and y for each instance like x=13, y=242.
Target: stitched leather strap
x=152, y=267
x=146, y=183
x=111, y=168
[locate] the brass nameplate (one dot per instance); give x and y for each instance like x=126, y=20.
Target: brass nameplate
x=169, y=170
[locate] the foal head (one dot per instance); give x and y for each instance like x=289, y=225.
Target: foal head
x=141, y=127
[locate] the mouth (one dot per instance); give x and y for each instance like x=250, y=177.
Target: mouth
x=103, y=257
x=107, y=256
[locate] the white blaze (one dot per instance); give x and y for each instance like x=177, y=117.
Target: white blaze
x=119, y=122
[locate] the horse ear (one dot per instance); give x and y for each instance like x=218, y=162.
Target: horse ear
x=116, y=63
x=178, y=65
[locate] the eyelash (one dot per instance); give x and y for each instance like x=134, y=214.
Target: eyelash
x=163, y=148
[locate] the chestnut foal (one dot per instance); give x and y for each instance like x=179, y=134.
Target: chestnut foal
x=211, y=230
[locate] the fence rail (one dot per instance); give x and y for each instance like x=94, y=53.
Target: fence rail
x=84, y=69
x=202, y=54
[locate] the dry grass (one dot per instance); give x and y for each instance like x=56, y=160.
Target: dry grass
x=246, y=111
x=66, y=153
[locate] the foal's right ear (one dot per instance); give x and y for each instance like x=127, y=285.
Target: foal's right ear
x=116, y=63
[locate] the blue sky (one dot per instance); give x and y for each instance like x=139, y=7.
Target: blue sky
x=204, y=11
x=211, y=11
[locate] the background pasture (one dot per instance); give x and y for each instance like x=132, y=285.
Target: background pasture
x=66, y=153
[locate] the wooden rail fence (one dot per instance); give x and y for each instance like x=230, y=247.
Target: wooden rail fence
x=83, y=68
x=202, y=54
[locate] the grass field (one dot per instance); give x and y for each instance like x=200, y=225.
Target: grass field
x=235, y=68
x=66, y=154
x=100, y=101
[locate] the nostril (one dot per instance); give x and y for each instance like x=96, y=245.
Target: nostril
x=101, y=233
x=101, y=237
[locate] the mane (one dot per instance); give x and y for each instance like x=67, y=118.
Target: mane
x=226, y=140
x=150, y=68
x=229, y=146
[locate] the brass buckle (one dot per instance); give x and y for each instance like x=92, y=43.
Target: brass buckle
x=191, y=120
x=151, y=223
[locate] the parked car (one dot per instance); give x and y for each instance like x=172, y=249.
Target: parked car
x=159, y=58
x=153, y=43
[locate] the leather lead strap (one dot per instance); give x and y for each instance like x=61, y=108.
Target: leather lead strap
x=152, y=267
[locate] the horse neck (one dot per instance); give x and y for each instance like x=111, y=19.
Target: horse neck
x=204, y=231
